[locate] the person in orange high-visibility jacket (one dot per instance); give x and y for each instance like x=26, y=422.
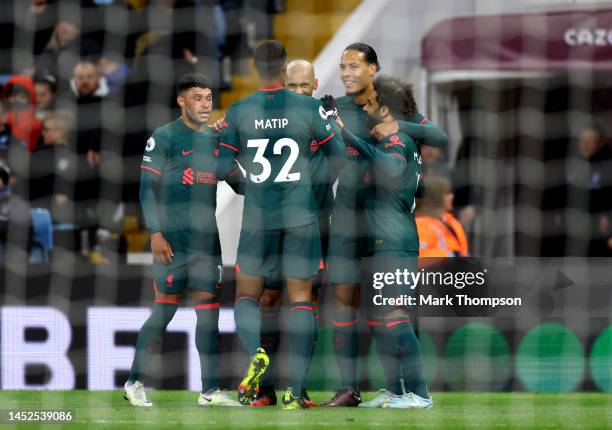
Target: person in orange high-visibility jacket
x=440, y=233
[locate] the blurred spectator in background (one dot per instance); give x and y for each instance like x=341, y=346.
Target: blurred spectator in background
x=114, y=70
x=15, y=225
x=14, y=153
x=63, y=50
x=588, y=195
x=440, y=233
x=62, y=45
x=88, y=88
x=52, y=166
x=43, y=16
x=84, y=100
x=21, y=96
x=7, y=139
x=46, y=91
x=87, y=82
x=179, y=39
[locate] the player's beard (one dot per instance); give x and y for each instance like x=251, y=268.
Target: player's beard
x=194, y=118
x=373, y=120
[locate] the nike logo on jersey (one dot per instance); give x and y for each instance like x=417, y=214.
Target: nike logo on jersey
x=186, y=152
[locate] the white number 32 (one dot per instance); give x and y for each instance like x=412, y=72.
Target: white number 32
x=285, y=174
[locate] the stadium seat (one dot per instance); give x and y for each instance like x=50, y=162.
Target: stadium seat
x=43, y=235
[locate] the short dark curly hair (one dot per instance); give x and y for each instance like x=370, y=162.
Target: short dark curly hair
x=192, y=80
x=397, y=96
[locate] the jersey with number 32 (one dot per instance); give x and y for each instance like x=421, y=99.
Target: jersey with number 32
x=273, y=134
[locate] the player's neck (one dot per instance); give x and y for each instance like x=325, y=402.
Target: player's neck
x=362, y=98
x=272, y=83
x=192, y=125
x=388, y=119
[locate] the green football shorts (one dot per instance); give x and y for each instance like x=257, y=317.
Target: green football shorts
x=201, y=273
x=296, y=251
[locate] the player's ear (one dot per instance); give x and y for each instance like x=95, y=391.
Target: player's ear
x=180, y=100
x=373, y=69
x=315, y=84
x=384, y=111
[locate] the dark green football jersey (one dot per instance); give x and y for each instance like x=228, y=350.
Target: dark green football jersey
x=350, y=183
x=424, y=131
x=350, y=180
x=323, y=175
x=274, y=133
x=391, y=181
x=178, y=189
x=321, y=183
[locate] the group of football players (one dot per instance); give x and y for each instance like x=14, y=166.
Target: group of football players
x=283, y=150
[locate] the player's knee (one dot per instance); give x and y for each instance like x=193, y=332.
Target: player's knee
x=162, y=314
x=168, y=299
x=203, y=296
x=344, y=296
x=299, y=295
x=270, y=299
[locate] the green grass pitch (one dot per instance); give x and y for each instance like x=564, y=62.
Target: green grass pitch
x=178, y=409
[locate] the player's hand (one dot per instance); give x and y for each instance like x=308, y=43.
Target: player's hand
x=330, y=107
x=384, y=129
x=218, y=125
x=162, y=251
